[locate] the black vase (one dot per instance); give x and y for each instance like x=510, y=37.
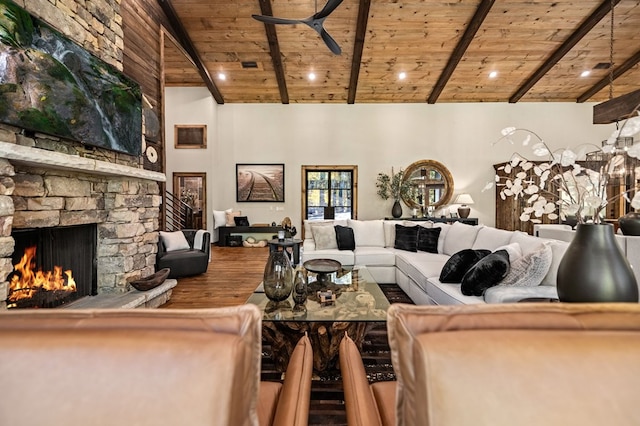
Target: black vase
x=630, y=223
x=396, y=210
x=594, y=269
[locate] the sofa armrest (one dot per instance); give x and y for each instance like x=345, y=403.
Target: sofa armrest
x=359, y=401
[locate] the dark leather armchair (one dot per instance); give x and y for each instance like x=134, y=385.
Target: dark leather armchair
x=185, y=262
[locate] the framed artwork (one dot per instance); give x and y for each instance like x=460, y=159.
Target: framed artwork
x=191, y=188
x=260, y=183
x=191, y=136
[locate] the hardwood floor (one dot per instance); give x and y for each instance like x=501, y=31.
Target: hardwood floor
x=233, y=274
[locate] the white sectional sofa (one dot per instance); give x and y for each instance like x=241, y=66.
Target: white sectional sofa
x=417, y=273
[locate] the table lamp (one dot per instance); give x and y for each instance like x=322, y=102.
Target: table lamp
x=464, y=209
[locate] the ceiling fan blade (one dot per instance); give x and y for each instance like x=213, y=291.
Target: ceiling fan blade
x=327, y=9
x=330, y=42
x=274, y=20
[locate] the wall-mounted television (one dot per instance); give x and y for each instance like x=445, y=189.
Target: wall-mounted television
x=50, y=84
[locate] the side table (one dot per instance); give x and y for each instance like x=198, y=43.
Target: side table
x=294, y=255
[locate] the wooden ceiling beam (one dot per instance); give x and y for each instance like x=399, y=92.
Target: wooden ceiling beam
x=185, y=41
x=463, y=44
x=274, y=50
x=358, y=47
x=584, y=28
x=626, y=66
x=616, y=109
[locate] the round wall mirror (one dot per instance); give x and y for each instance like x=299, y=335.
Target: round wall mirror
x=430, y=185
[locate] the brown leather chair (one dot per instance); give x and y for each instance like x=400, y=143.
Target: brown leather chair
x=521, y=364
x=144, y=367
x=366, y=405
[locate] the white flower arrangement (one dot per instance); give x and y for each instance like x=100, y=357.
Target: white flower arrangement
x=571, y=182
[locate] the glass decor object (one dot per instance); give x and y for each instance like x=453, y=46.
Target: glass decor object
x=299, y=291
x=278, y=277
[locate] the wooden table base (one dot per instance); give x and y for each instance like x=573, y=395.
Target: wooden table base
x=325, y=339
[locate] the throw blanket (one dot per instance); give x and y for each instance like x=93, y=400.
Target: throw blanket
x=197, y=240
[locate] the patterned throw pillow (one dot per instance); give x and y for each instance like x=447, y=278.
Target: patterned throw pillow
x=324, y=237
x=530, y=269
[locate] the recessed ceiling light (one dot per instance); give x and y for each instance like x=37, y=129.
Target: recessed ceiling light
x=312, y=76
x=402, y=75
x=222, y=76
x=585, y=73
x=493, y=74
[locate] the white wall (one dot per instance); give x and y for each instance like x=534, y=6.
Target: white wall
x=375, y=137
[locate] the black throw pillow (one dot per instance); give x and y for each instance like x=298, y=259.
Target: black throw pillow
x=459, y=263
x=241, y=220
x=345, y=238
x=428, y=239
x=406, y=238
x=489, y=271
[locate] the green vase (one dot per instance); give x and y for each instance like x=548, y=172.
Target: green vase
x=594, y=269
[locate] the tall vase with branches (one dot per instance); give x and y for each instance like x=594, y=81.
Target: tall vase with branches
x=392, y=186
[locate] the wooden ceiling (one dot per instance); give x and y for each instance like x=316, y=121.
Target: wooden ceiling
x=447, y=50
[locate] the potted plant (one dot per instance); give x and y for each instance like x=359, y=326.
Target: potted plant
x=392, y=186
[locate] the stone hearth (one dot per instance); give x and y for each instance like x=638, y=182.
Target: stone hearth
x=43, y=188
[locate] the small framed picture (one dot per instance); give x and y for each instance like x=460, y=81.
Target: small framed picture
x=454, y=215
x=191, y=136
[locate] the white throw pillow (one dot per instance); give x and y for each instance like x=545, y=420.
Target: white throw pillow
x=460, y=236
x=514, y=251
x=368, y=233
x=324, y=237
x=220, y=218
x=390, y=232
x=174, y=241
x=530, y=269
x=444, y=230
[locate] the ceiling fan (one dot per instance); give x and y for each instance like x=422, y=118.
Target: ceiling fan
x=314, y=21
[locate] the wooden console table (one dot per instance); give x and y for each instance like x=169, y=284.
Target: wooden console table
x=468, y=220
x=225, y=231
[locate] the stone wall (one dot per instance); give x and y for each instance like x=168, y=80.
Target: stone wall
x=126, y=210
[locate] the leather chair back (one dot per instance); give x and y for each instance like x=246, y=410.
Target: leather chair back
x=520, y=364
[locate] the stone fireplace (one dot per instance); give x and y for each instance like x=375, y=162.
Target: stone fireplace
x=48, y=183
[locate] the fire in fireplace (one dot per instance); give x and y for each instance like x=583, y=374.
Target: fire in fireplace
x=37, y=288
x=52, y=266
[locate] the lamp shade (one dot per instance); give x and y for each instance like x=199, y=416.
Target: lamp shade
x=463, y=199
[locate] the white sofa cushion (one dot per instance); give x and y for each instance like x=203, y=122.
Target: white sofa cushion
x=449, y=294
x=374, y=256
x=390, y=232
x=324, y=237
x=420, y=266
x=368, y=233
x=490, y=238
x=460, y=236
x=443, y=235
x=527, y=242
x=511, y=294
x=558, y=248
x=345, y=257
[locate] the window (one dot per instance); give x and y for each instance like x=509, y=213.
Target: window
x=329, y=186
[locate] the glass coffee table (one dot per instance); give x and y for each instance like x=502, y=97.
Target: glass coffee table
x=359, y=304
